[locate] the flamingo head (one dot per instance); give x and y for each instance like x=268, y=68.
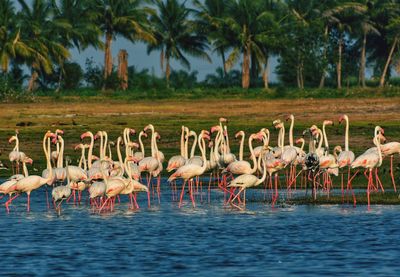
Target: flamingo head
x=95, y=158
x=150, y=126
x=11, y=139
x=214, y=129
x=223, y=119
x=381, y=138
x=205, y=136
x=381, y=130
x=85, y=135
x=158, y=137
x=289, y=116
x=59, y=132
x=328, y=122
x=341, y=118
x=80, y=145
x=239, y=134
x=276, y=122
x=299, y=140
x=337, y=148
x=133, y=145
x=211, y=144
x=54, y=140
x=132, y=131
x=28, y=160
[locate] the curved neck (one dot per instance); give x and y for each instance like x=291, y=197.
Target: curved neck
x=60, y=160
x=155, y=149
x=253, y=157
x=82, y=157
x=227, y=148
x=291, y=131
x=378, y=145
x=242, y=146
x=202, y=146
x=90, y=152
x=105, y=179
x=105, y=144
x=109, y=151
x=121, y=162
x=126, y=139
x=47, y=154
x=127, y=169
x=25, y=169
x=193, y=149
x=183, y=142
x=186, y=156
x=325, y=138
x=141, y=142
x=101, y=147
x=321, y=139
x=264, y=173
x=283, y=136
x=266, y=137
x=346, y=140
x=16, y=143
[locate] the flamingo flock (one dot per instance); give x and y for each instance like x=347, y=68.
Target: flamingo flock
x=103, y=181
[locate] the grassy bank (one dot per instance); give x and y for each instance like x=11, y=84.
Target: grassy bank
x=275, y=92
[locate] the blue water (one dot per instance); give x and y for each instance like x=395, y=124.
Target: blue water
x=210, y=239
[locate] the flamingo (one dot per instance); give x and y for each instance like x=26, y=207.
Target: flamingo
x=140, y=155
x=179, y=160
x=15, y=156
x=190, y=171
x=370, y=161
x=244, y=167
x=32, y=182
x=151, y=164
x=245, y=181
x=55, y=153
x=389, y=149
x=259, y=149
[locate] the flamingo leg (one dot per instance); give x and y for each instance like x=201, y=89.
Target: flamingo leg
x=391, y=173
x=102, y=206
x=182, y=192
x=9, y=202
x=191, y=193
x=29, y=203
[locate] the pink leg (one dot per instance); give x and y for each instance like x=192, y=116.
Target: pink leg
x=29, y=202
x=391, y=173
x=182, y=192
x=9, y=202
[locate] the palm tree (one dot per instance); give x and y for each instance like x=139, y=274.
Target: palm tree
x=126, y=18
x=390, y=11
x=175, y=35
x=247, y=20
x=82, y=33
x=40, y=32
x=11, y=45
x=210, y=15
x=365, y=24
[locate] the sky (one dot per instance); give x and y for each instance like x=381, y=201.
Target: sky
x=140, y=59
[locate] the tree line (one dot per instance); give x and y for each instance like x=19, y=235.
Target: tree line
x=318, y=43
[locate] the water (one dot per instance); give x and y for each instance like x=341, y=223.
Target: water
x=211, y=239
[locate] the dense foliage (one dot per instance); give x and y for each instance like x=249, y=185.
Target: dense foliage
x=318, y=43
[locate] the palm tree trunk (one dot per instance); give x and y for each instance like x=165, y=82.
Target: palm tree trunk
x=246, y=68
x=389, y=59
x=361, y=79
x=107, y=57
x=339, y=63
x=323, y=76
x=167, y=70
x=266, y=73
x=162, y=56
x=222, y=53
x=32, y=81
x=60, y=75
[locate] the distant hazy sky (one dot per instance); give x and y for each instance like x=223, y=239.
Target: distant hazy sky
x=139, y=58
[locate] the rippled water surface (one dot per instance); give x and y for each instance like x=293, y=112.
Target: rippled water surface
x=210, y=239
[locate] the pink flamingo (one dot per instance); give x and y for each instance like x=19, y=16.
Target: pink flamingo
x=190, y=171
x=177, y=161
x=389, y=149
x=371, y=160
x=245, y=181
x=32, y=182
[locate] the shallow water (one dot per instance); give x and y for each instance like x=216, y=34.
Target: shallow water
x=210, y=239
